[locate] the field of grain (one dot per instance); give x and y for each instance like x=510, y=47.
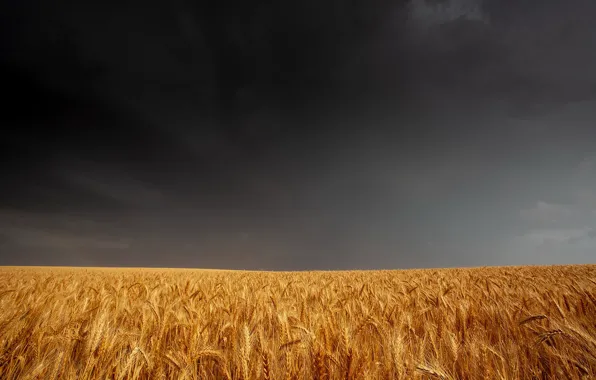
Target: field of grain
x=482, y=323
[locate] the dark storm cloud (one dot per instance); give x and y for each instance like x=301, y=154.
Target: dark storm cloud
x=302, y=135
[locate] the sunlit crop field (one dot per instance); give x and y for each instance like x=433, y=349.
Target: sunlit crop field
x=477, y=323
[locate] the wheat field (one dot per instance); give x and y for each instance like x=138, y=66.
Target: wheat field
x=470, y=323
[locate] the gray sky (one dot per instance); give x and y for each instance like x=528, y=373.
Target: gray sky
x=411, y=134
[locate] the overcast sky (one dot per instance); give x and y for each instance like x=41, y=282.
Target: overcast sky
x=298, y=135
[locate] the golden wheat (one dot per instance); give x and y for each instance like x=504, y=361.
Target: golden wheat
x=465, y=323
